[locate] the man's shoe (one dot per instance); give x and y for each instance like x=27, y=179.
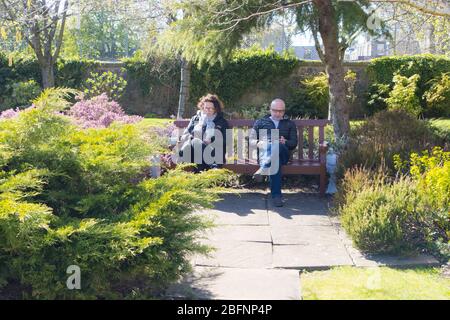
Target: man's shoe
x=258, y=175
x=277, y=202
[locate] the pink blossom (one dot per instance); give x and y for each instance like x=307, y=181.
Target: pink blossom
x=99, y=112
x=9, y=114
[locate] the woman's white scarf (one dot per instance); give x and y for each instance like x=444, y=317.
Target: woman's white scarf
x=209, y=121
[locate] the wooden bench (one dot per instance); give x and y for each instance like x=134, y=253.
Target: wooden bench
x=311, y=162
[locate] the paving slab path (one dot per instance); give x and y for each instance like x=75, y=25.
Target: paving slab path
x=260, y=249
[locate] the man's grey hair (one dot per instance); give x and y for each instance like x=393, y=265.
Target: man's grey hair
x=275, y=101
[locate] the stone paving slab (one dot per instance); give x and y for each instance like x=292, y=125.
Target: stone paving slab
x=287, y=218
x=237, y=254
x=299, y=203
x=227, y=233
x=258, y=248
x=248, y=209
x=239, y=284
x=310, y=256
x=394, y=261
x=305, y=235
x=255, y=218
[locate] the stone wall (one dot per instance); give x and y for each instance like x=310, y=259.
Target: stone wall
x=163, y=100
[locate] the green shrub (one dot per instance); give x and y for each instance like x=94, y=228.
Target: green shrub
x=381, y=71
x=137, y=252
x=431, y=171
x=21, y=94
x=252, y=112
x=70, y=196
x=438, y=97
x=14, y=68
x=72, y=72
x=107, y=82
x=311, y=98
x=405, y=214
x=18, y=67
x=377, y=95
x=403, y=95
x=151, y=72
x=383, y=135
x=383, y=218
x=248, y=68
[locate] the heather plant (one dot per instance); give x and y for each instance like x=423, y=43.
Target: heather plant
x=408, y=213
x=375, y=142
x=383, y=218
x=99, y=112
x=9, y=113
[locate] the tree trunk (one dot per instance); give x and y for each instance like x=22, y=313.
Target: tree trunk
x=338, y=106
x=184, y=87
x=431, y=41
x=48, y=74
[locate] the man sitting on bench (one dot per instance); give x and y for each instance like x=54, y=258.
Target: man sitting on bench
x=274, y=153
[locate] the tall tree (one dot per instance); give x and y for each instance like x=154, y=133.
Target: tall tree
x=41, y=23
x=214, y=28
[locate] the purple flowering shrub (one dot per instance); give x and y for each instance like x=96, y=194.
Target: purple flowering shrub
x=9, y=114
x=12, y=113
x=99, y=112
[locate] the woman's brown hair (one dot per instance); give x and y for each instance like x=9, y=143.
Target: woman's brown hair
x=214, y=99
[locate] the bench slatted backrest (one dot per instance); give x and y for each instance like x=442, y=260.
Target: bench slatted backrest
x=247, y=124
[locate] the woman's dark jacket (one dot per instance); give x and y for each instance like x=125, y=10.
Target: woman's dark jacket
x=220, y=123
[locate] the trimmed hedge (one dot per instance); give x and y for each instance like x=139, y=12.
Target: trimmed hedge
x=250, y=68
x=68, y=72
x=381, y=72
x=247, y=68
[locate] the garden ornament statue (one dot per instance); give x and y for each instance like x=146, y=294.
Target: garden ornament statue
x=337, y=147
x=331, y=169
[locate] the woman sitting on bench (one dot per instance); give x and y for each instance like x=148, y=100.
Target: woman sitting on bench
x=203, y=141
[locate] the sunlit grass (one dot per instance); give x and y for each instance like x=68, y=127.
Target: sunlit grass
x=443, y=124
x=159, y=122
x=351, y=283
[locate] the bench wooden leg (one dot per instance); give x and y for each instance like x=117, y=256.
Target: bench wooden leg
x=323, y=181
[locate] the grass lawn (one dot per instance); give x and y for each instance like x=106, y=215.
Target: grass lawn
x=159, y=122
x=351, y=283
x=443, y=124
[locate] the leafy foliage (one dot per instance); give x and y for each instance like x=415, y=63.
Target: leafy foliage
x=438, y=97
x=405, y=214
x=381, y=73
x=375, y=142
x=20, y=67
x=107, y=83
x=262, y=68
x=431, y=172
x=384, y=215
x=311, y=98
x=403, y=95
x=21, y=94
x=204, y=37
x=70, y=196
